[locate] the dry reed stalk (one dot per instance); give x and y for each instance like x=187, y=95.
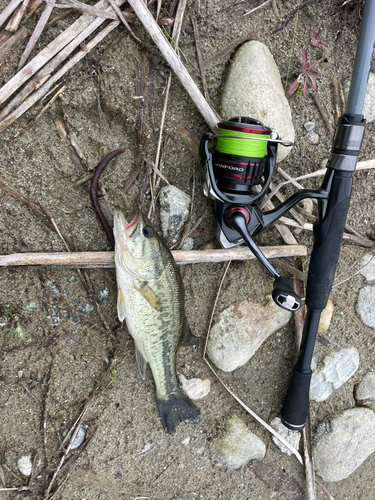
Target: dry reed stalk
x=36, y=34
x=52, y=49
x=43, y=90
x=144, y=15
x=16, y=19
x=14, y=41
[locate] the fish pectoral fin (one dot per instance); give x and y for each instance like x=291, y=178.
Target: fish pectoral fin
x=149, y=295
x=141, y=362
x=121, y=312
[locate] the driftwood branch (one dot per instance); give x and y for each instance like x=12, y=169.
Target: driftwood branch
x=106, y=259
x=8, y=11
x=144, y=15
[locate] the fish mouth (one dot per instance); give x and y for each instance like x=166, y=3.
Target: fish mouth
x=129, y=222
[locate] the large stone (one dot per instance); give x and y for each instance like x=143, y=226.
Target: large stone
x=368, y=267
x=238, y=445
x=343, y=443
x=254, y=89
x=331, y=372
x=241, y=329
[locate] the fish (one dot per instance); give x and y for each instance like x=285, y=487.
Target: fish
x=151, y=301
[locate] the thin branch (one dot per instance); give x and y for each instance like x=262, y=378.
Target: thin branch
x=106, y=259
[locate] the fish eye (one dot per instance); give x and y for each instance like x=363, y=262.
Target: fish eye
x=148, y=232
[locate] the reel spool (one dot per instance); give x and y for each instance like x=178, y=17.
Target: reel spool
x=240, y=164
x=244, y=156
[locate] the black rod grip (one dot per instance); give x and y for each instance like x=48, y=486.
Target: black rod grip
x=327, y=242
x=296, y=403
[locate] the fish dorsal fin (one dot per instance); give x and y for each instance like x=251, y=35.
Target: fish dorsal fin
x=121, y=312
x=141, y=362
x=148, y=294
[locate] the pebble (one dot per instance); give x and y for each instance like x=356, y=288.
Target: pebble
x=343, y=443
x=78, y=440
x=331, y=372
x=174, y=213
x=195, y=388
x=241, y=329
x=365, y=305
x=366, y=388
x=253, y=88
x=292, y=437
x=368, y=267
x=186, y=441
x=238, y=445
x=326, y=317
x=309, y=126
x=25, y=465
x=313, y=137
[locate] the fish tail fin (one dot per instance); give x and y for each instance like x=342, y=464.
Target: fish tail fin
x=177, y=408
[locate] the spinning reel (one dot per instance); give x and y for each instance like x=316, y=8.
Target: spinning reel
x=238, y=173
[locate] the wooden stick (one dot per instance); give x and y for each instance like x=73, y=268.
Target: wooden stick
x=36, y=34
x=43, y=90
x=144, y=15
x=16, y=19
x=51, y=50
x=8, y=11
x=106, y=259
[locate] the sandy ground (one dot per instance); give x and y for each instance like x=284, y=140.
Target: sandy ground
x=67, y=356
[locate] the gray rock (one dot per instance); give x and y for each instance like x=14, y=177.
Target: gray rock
x=366, y=305
x=238, y=445
x=195, y=388
x=292, y=437
x=342, y=444
x=332, y=372
x=254, y=89
x=366, y=388
x=78, y=440
x=174, y=212
x=241, y=329
x=368, y=267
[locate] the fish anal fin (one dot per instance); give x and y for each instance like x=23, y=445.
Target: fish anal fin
x=121, y=312
x=149, y=295
x=141, y=362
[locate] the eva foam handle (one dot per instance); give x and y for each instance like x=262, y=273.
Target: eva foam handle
x=327, y=242
x=296, y=403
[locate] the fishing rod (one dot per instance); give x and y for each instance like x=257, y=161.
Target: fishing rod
x=239, y=162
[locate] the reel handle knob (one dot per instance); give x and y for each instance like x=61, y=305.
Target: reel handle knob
x=284, y=295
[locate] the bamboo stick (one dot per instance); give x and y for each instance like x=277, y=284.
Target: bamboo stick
x=52, y=49
x=8, y=11
x=43, y=90
x=144, y=15
x=106, y=259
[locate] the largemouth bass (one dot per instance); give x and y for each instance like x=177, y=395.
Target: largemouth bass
x=151, y=300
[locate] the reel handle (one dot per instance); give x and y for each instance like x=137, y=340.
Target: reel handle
x=283, y=294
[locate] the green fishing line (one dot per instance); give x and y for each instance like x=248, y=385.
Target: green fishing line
x=241, y=147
